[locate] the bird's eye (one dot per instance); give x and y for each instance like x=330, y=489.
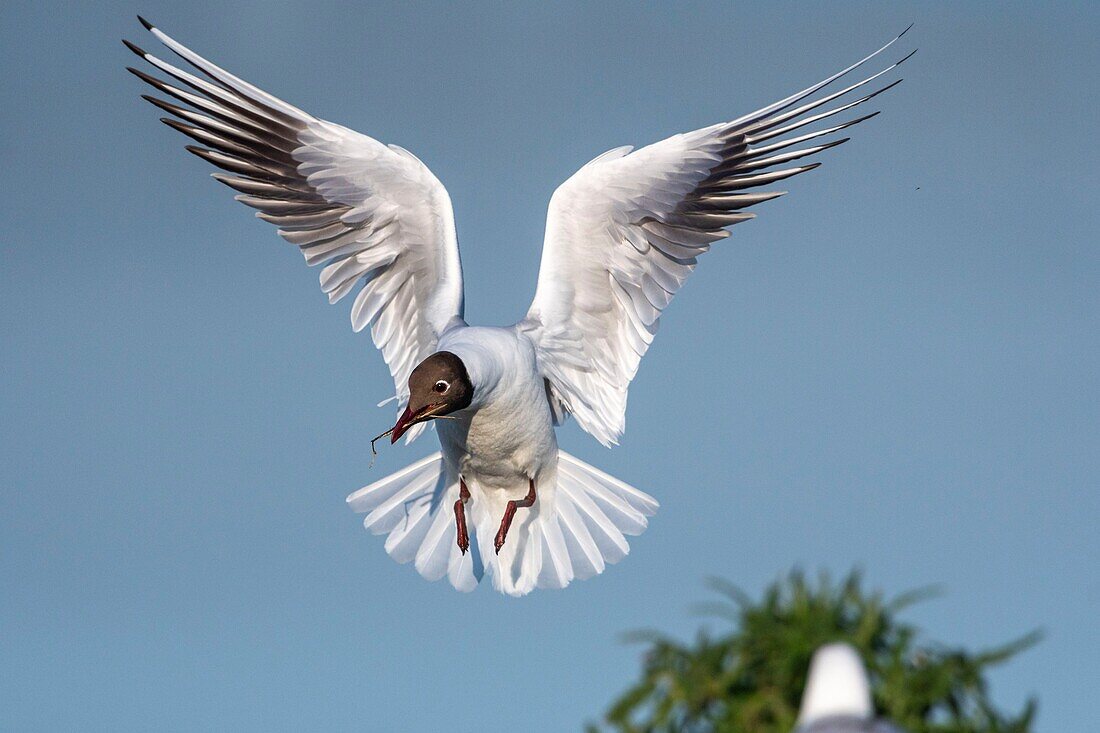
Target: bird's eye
x=441, y=386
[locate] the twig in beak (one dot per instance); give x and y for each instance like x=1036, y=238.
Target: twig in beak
x=373, y=450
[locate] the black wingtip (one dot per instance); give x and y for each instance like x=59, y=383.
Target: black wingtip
x=156, y=102
x=893, y=84
x=907, y=57
x=134, y=47
x=906, y=29
x=179, y=126
x=149, y=26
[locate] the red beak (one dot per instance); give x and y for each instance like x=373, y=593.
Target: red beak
x=403, y=424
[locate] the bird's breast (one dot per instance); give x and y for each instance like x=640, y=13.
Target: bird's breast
x=504, y=442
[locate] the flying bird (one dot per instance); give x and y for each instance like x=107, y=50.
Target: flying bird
x=622, y=236
x=837, y=698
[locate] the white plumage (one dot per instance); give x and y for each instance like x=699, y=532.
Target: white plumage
x=580, y=530
x=622, y=236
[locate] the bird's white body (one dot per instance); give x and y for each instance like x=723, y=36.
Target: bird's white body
x=501, y=442
x=622, y=235
x=506, y=436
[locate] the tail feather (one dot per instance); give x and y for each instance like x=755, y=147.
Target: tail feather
x=434, y=555
x=396, y=513
x=607, y=536
x=586, y=556
x=639, y=501
x=384, y=500
x=557, y=569
x=413, y=507
x=574, y=531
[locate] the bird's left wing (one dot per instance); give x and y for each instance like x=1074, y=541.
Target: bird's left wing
x=624, y=232
x=373, y=214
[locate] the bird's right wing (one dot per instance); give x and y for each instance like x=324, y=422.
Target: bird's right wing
x=373, y=214
x=623, y=234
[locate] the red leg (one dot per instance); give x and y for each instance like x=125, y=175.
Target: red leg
x=460, y=516
x=510, y=512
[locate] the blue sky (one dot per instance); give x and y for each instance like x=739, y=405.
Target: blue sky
x=892, y=367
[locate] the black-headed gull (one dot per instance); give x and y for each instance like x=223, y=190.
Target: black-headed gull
x=837, y=698
x=622, y=236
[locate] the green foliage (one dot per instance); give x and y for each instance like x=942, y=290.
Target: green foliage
x=750, y=680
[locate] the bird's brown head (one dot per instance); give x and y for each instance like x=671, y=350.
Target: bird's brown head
x=438, y=386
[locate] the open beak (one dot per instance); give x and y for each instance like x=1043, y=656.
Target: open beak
x=409, y=418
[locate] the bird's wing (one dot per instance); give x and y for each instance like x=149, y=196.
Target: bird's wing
x=624, y=232
x=372, y=214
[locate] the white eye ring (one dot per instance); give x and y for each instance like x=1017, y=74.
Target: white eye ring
x=441, y=386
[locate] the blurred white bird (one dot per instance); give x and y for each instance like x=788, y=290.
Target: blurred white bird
x=838, y=697
x=622, y=236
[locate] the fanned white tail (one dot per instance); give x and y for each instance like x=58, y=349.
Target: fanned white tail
x=575, y=529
